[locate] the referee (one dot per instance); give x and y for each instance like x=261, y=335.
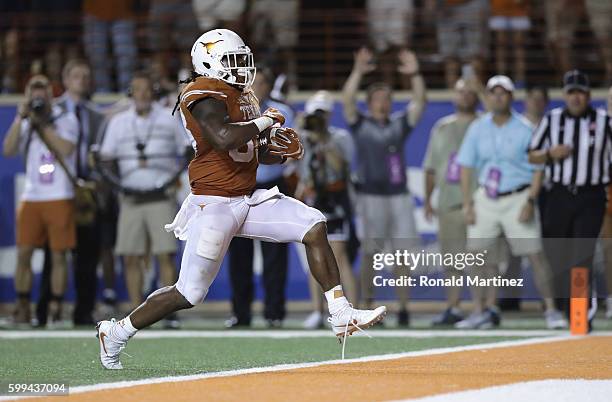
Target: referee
x=575, y=142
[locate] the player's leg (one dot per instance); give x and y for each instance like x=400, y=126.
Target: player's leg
x=209, y=233
x=207, y=242
x=285, y=219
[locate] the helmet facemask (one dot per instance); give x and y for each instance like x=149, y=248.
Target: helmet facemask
x=239, y=68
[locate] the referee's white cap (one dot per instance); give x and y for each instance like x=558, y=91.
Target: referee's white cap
x=500, y=81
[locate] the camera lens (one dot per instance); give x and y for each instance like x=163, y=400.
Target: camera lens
x=37, y=105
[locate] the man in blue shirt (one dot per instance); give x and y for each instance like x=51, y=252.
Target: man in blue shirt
x=495, y=149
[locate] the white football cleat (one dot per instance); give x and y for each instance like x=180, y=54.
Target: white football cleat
x=110, y=347
x=349, y=320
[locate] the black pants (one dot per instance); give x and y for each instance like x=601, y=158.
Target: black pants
x=86, y=257
x=570, y=227
x=274, y=278
x=275, y=257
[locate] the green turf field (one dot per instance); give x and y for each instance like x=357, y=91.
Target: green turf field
x=75, y=360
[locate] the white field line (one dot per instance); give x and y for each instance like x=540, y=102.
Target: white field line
x=161, y=334
x=283, y=367
x=541, y=391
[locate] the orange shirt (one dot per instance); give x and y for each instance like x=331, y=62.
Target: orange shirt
x=509, y=8
x=218, y=172
x=109, y=10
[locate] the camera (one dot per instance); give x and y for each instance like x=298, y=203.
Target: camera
x=37, y=105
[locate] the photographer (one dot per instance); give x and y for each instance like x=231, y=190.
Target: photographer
x=146, y=142
x=324, y=184
x=46, y=139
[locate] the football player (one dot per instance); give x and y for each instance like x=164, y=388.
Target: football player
x=230, y=137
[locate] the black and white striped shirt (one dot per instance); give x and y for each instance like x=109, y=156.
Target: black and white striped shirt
x=589, y=136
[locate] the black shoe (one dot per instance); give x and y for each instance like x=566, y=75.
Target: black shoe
x=274, y=324
x=234, y=322
x=449, y=317
x=494, y=315
x=403, y=318
x=172, y=322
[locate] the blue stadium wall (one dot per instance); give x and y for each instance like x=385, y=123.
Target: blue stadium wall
x=297, y=287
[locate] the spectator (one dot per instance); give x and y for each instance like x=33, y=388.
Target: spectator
x=505, y=202
x=275, y=34
x=443, y=172
x=390, y=25
x=114, y=18
x=46, y=138
x=11, y=53
x=574, y=141
x=600, y=16
x=77, y=81
x=509, y=22
x=227, y=14
x=462, y=34
x=78, y=84
x=171, y=32
x=324, y=185
x=536, y=102
x=144, y=140
x=275, y=255
x=385, y=207
x=562, y=18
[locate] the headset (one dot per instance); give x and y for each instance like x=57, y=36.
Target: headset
x=158, y=92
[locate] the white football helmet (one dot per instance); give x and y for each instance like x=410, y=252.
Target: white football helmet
x=221, y=54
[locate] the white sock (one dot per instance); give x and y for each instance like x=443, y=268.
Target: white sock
x=125, y=330
x=335, y=299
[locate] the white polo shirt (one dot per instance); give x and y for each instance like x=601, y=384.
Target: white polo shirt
x=45, y=179
x=161, y=138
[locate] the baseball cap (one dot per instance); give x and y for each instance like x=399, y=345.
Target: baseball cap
x=500, y=81
x=576, y=79
x=321, y=100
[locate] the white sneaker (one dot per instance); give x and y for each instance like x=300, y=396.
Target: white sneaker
x=473, y=321
x=348, y=320
x=555, y=319
x=609, y=307
x=110, y=347
x=314, y=321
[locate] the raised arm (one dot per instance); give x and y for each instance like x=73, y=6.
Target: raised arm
x=363, y=65
x=212, y=117
x=409, y=65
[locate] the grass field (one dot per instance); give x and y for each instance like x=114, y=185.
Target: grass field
x=268, y=365
x=76, y=360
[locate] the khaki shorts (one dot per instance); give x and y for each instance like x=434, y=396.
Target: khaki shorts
x=496, y=217
x=386, y=221
x=600, y=16
x=462, y=30
x=142, y=224
x=562, y=18
x=39, y=222
x=452, y=232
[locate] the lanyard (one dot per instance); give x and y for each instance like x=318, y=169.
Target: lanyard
x=140, y=144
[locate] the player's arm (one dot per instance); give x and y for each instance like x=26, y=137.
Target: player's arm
x=212, y=116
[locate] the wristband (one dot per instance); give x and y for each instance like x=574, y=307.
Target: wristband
x=263, y=122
